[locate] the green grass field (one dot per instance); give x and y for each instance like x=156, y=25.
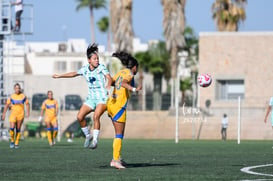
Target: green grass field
x=147, y=160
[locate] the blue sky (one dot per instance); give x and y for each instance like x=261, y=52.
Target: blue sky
x=58, y=20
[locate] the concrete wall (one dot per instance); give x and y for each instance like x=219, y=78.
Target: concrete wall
x=238, y=55
x=162, y=125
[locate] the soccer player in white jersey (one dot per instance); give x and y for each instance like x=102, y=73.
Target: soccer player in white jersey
x=269, y=108
x=95, y=75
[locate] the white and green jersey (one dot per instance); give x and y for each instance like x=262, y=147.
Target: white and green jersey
x=95, y=80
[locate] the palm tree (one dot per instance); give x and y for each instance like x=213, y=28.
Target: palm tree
x=103, y=25
x=121, y=24
x=174, y=23
x=155, y=61
x=192, y=60
x=91, y=4
x=228, y=14
x=185, y=84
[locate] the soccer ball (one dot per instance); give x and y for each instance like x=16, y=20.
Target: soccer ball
x=204, y=80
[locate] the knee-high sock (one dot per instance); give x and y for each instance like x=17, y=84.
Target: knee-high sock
x=86, y=132
x=96, y=133
x=18, y=135
x=55, y=132
x=117, y=145
x=49, y=135
x=11, y=133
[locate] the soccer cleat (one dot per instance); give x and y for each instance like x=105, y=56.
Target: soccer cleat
x=51, y=144
x=87, y=141
x=122, y=162
x=54, y=142
x=117, y=164
x=16, y=146
x=11, y=145
x=93, y=145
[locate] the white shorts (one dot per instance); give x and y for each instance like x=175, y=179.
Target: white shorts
x=92, y=103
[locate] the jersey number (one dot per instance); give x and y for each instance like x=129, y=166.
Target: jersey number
x=119, y=82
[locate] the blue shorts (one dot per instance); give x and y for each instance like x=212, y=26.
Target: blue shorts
x=92, y=103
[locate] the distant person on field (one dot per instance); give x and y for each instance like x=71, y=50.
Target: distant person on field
x=123, y=83
x=18, y=7
x=16, y=103
x=269, y=108
x=51, y=108
x=224, y=127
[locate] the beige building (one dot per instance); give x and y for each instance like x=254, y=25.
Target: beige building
x=241, y=65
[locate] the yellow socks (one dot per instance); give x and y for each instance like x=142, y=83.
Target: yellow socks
x=18, y=135
x=49, y=136
x=117, y=144
x=55, y=132
x=11, y=133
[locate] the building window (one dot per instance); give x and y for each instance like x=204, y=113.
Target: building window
x=60, y=66
x=230, y=89
x=76, y=65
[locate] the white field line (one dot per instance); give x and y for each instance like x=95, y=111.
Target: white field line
x=248, y=170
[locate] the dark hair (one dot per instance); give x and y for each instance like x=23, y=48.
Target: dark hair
x=126, y=59
x=17, y=84
x=92, y=49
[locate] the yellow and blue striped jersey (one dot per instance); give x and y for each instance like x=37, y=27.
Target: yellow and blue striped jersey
x=120, y=94
x=17, y=102
x=50, y=106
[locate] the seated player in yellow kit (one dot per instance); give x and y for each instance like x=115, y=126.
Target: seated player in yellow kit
x=51, y=108
x=16, y=103
x=116, y=104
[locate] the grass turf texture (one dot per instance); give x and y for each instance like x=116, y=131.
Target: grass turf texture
x=147, y=160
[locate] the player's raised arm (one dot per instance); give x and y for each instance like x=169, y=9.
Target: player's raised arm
x=109, y=81
x=65, y=75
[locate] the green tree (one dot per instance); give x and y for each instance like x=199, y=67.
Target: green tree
x=155, y=61
x=185, y=84
x=192, y=60
x=103, y=25
x=91, y=4
x=228, y=14
x=173, y=25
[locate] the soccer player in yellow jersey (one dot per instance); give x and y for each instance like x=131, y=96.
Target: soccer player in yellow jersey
x=16, y=103
x=50, y=108
x=116, y=105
